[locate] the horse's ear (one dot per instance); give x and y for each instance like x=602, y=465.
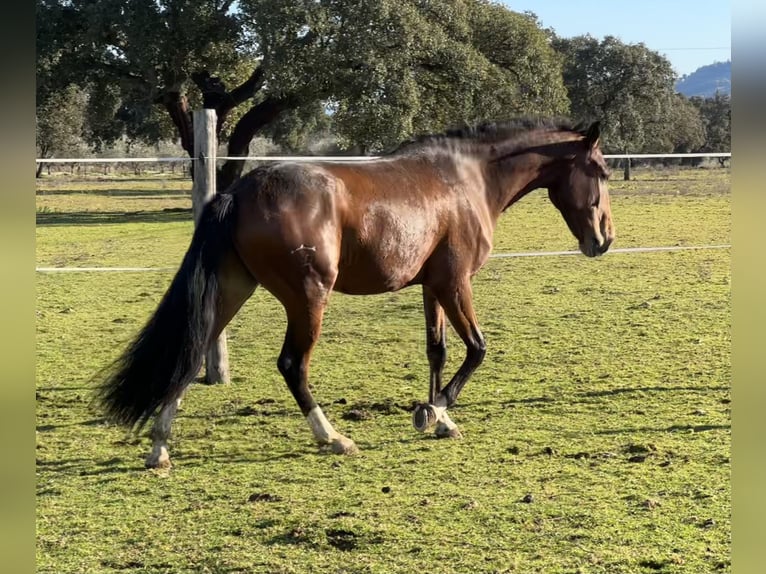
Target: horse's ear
x=593, y=134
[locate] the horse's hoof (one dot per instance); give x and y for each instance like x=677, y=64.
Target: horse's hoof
x=442, y=431
x=423, y=417
x=160, y=463
x=344, y=445
x=158, y=458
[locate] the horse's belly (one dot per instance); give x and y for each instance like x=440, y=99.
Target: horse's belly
x=385, y=249
x=378, y=269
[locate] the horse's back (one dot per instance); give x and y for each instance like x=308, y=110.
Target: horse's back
x=374, y=225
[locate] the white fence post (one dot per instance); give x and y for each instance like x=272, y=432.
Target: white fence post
x=203, y=190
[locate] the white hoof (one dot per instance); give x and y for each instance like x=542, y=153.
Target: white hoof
x=158, y=458
x=343, y=445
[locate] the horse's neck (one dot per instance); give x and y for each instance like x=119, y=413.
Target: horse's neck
x=513, y=178
x=510, y=177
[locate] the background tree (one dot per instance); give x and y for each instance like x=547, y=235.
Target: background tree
x=629, y=87
x=382, y=69
x=716, y=119
x=60, y=124
x=520, y=50
x=677, y=129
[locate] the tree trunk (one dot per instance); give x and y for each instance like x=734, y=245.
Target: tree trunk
x=626, y=171
x=239, y=143
x=177, y=105
x=39, y=170
x=216, y=97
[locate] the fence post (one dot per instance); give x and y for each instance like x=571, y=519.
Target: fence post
x=203, y=190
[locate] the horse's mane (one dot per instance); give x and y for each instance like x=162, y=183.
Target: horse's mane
x=488, y=132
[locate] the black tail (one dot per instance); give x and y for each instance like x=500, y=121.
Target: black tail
x=167, y=354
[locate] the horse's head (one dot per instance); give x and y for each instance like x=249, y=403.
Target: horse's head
x=579, y=192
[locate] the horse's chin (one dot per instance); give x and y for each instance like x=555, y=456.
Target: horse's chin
x=593, y=249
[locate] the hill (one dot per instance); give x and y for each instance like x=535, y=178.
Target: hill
x=706, y=80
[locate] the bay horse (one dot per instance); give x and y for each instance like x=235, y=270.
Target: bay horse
x=422, y=215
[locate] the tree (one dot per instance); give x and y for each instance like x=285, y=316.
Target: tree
x=381, y=69
x=686, y=127
x=627, y=86
x=679, y=128
x=135, y=58
x=519, y=47
x=716, y=118
x=60, y=124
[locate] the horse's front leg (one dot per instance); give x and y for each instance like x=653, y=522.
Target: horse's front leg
x=457, y=303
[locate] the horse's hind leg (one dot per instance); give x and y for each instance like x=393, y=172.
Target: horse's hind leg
x=236, y=284
x=436, y=341
x=304, y=323
x=159, y=457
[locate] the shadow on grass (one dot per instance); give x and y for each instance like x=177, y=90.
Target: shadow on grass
x=85, y=467
x=62, y=464
x=136, y=193
x=578, y=397
x=672, y=428
x=167, y=215
x=90, y=423
x=529, y=401
x=254, y=456
x=626, y=390
x=64, y=388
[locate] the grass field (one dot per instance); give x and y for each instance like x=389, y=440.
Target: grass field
x=596, y=433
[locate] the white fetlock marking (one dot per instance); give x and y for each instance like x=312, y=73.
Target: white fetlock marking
x=162, y=454
x=440, y=409
x=323, y=431
x=446, y=421
x=159, y=455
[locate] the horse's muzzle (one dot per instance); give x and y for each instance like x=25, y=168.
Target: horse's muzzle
x=594, y=248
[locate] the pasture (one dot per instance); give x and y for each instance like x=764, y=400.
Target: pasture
x=596, y=432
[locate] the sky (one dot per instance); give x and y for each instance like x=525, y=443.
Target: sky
x=689, y=33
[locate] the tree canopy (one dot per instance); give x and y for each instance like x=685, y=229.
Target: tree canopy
x=381, y=70
x=627, y=86
x=716, y=118
x=371, y=73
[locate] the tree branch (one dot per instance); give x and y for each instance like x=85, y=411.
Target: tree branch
x=224, y=7
x=122, y=72
x=238, y=95
x=258, y=117
x=215, y=96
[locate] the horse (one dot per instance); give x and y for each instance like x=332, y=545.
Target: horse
x=423, y=214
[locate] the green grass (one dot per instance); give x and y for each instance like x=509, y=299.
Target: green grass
x=596, y=433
